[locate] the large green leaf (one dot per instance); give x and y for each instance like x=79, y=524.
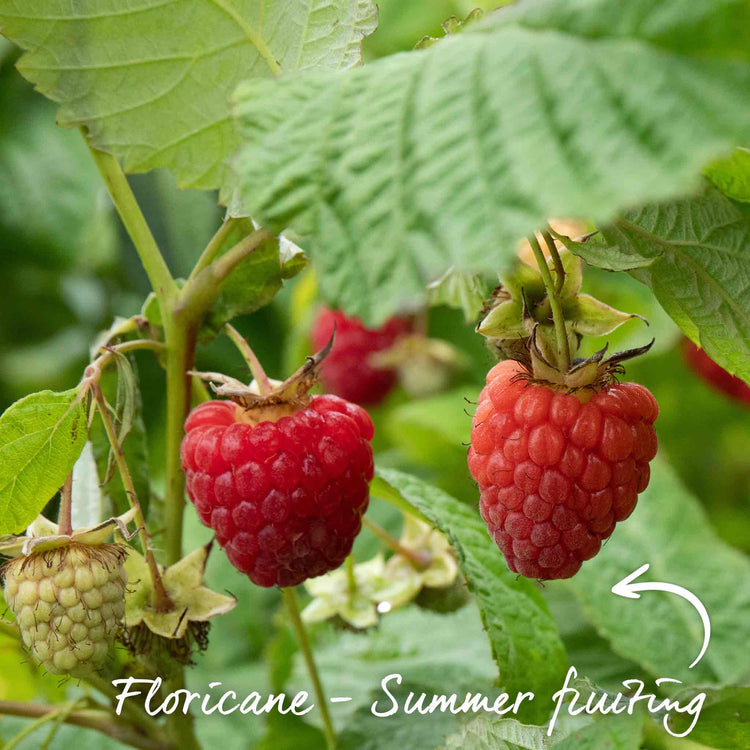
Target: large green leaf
x=695, y=255
x=612, y=732
x=524, y=638
x=41, y=436
x=445, y=157
x=151, y=80
x=419, y=645
x=724, y=721
x=661, y=631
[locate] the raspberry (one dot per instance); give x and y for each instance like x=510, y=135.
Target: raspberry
x=68, y=602
x=346, y=371
x=285, y=498
x=558, y=470
x=715, y=375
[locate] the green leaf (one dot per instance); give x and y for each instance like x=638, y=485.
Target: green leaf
x=724, y=721
x=616, y=732
x=598, y=252
x=445, y=157
x=524, y=638
x=256, y=280
x=661, y=631
x=699, y=269
x=732, y=175
x=41, y=436
x=401, y=730
x=180, y=61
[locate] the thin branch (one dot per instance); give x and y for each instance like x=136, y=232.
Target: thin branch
x=419, y=561
x=290, y=599
x=65, y=518
x=214, y=247
x=90, y=719
x=556, y=260
x=163, y=602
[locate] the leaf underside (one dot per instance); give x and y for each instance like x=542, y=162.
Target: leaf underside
x=151, y=79
x=446, y=157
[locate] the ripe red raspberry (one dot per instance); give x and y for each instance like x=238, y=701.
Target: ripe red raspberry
x=557, y=470
x=346, y=371
x=714, y=374
x=285, y=498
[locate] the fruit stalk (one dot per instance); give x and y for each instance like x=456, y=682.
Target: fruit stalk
x=264, y=385
x=290, y=599
x=563, y=348
x=65, y=519
x=420, y=562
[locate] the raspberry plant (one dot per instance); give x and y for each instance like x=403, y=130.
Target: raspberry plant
x=386, y=197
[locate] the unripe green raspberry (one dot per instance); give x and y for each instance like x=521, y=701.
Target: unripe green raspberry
x=68, y=602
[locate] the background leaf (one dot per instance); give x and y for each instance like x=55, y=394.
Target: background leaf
x=698, y=265
x=447, y=156
x=87, y=494
x=732, y=175
x=41, y=436
x=524, y=638
x=181, y=60
x=661, y=631
x=724, y=721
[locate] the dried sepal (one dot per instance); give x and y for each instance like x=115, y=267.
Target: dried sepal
x=44, y=534
x=192, y=602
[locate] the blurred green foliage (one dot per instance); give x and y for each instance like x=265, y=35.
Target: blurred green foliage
x=68, y=268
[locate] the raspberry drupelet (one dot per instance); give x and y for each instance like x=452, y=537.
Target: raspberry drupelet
x=557, y=470
x=285, y=498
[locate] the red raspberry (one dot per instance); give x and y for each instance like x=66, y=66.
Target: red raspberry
x=714, y=374
x=556, y=470
x=346, y=371
x=285, y=498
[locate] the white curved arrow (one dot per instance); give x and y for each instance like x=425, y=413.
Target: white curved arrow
x=630, y=590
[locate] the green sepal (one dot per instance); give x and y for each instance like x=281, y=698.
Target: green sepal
x=589, y=316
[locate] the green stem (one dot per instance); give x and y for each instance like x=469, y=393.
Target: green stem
x=181, y=335
x=351, y=578
x=181, y=727
x=420, y=562
x=290, y=599
x=563, y=348
x=556, y=260
x=135, y=224
x=162, y=602
x=214, y=247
